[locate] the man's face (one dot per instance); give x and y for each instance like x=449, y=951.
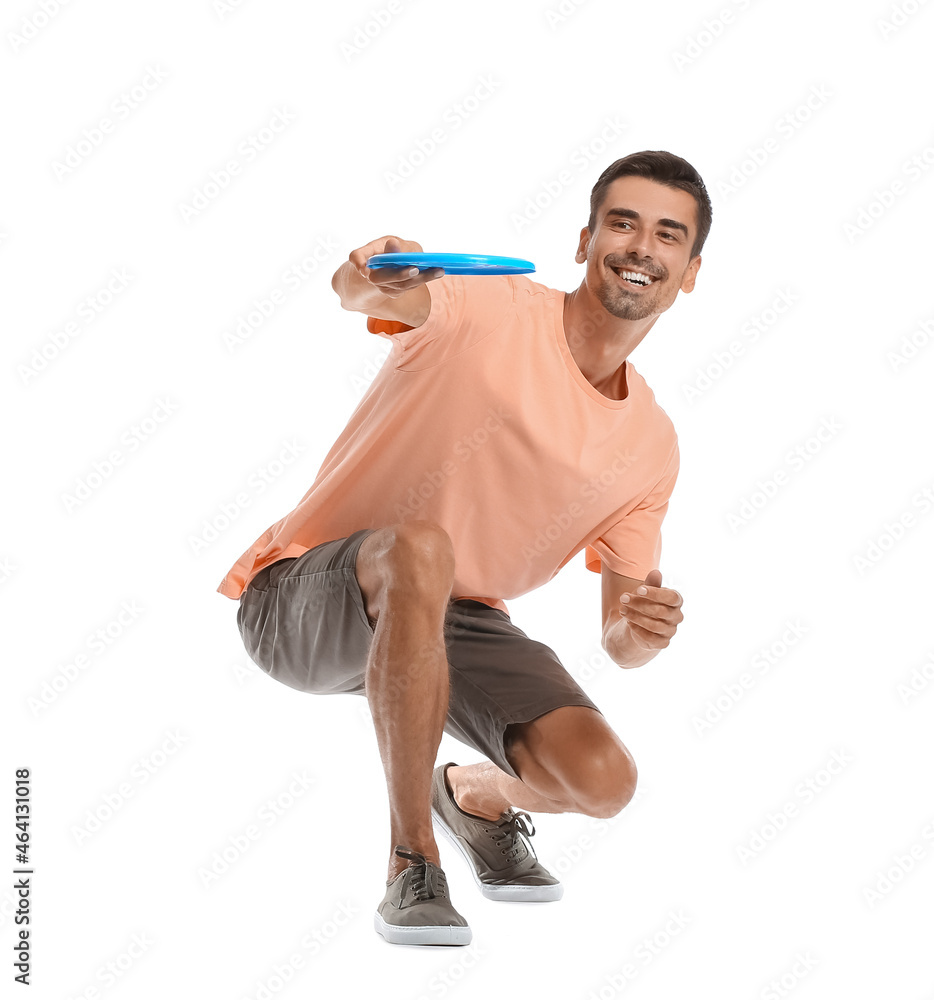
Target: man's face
x=642, y=227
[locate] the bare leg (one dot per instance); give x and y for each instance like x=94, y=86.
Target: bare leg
x=405, y=573
x=488, y=791
x=569, y=760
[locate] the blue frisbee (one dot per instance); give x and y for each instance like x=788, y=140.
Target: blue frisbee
x=454, y=263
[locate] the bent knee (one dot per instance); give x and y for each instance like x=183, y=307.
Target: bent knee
x=606, y=785
x=417, y=554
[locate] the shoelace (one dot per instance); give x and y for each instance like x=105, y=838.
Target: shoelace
x=421, y=883
x=506, y=834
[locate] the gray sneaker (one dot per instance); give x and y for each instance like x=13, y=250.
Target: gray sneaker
x=498, y=852
x=416, y=908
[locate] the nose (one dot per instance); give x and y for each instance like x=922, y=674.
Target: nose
x=639, y=245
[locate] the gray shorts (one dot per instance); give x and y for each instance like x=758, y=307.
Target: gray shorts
x=303, y=621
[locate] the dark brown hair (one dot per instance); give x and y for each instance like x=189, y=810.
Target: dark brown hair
x=664, y=168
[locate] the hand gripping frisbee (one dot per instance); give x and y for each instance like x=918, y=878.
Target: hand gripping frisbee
x=454, y=263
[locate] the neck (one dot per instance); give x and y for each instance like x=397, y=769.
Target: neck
x=600, y=343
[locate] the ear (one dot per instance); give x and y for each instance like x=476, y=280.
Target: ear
x=581, y=255
x=690, y=275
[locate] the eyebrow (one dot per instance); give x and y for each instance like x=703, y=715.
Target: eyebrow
x=628, y=213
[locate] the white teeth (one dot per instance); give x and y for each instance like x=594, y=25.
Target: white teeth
x=643, y=279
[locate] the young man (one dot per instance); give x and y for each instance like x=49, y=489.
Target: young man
x=507, y=432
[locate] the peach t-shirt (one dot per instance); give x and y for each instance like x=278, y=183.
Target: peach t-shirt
x=481, y=421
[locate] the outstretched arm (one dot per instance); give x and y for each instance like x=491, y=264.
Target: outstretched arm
x=386, y=293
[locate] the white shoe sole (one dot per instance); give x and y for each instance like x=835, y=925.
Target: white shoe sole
x=506, y=893
x=429, y=934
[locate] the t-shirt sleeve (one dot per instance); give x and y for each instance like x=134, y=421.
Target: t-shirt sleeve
x=464, y=310
x=633, y=545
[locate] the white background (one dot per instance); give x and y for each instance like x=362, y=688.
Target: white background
x=154, y=753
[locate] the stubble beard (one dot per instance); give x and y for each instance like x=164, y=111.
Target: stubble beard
x=616, y=302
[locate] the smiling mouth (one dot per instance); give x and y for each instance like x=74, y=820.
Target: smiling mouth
x=636, y=279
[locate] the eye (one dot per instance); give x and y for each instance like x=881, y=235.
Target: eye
x=670, y=236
